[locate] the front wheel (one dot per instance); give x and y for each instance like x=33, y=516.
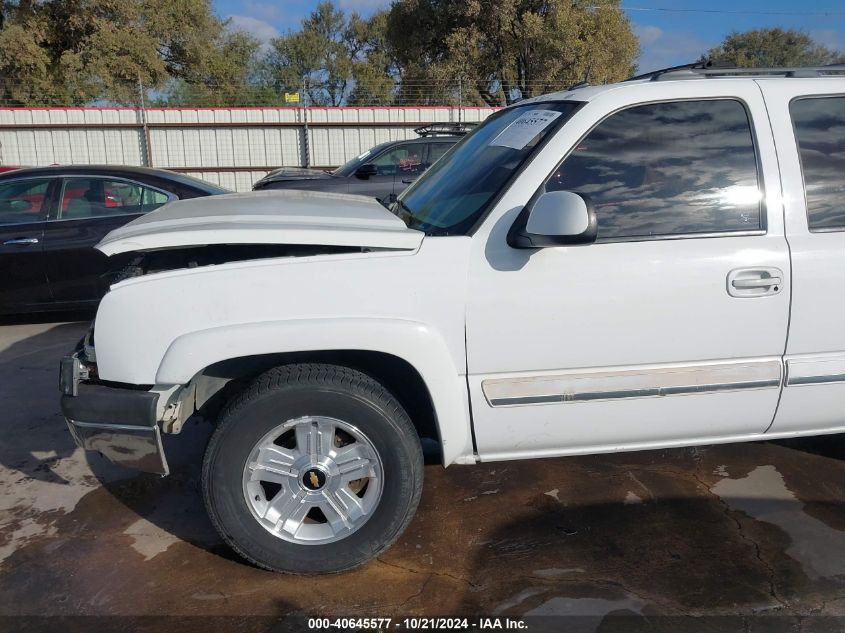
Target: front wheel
x=313, y=469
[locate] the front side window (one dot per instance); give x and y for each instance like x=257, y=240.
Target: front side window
x=402, y=160
x=820, y=132
x=97, y=197
x=23, y=201
x=666, y=169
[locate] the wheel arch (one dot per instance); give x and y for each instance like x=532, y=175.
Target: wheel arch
x=409, y=358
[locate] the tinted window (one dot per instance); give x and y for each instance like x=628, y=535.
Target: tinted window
x=23, y=201
x=402, y=160
x=820, y=132
x=436, y=150
x=97, y=197
x=668, y=169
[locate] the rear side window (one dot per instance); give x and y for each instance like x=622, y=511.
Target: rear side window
x=820, y=132
x=665, y=169
x=23, y=201
x=436, y=150
x=96, y=197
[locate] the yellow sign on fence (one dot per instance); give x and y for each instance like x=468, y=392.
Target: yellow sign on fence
x=291, y=97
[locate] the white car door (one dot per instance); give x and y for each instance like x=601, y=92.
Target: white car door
x=808, y=117
x=670, y=329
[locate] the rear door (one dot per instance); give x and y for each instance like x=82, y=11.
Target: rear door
x=808, y=119
x=23, y=211
x=88, y=208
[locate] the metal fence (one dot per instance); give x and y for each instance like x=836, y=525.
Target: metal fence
x=229, y=146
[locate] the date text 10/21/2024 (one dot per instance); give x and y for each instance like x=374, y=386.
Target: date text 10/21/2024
x=417, y=624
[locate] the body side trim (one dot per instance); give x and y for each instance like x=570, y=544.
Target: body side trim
x=815, y=369
x=634, y=382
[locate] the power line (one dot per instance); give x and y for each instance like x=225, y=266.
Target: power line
x=726, y=11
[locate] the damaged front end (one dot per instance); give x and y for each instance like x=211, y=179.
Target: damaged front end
x=118, y=422
x=145, y=263
x=125, y=422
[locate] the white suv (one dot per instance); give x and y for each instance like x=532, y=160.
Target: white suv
x=648, y=264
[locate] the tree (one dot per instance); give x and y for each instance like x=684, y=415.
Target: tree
x=329, y=54
x=235, y=75
x=77, y=51
x=511, y=49
x=767, y=48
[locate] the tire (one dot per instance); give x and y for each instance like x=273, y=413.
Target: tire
x=287, y=445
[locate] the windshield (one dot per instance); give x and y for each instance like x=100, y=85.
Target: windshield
x=349, y=168
x=450, y=197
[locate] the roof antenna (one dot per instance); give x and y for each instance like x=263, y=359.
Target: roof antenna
x=585, y=82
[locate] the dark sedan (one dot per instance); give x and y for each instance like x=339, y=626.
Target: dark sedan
x=384, y=170
x=51, y=217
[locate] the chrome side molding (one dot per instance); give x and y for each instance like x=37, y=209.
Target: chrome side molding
x=635, y=382
x=817, y=370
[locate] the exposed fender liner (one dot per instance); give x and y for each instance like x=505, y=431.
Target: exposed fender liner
x=416, y=343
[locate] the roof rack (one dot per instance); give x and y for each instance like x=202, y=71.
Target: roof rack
x=718, y=68
x=445, y=129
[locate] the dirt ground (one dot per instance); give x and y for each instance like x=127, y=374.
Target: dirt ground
x=739, y=537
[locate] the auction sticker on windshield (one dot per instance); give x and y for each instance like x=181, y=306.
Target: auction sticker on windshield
x=520, y=132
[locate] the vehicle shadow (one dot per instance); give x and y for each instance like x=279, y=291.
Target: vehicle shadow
x=653, y=541
x=36, y=437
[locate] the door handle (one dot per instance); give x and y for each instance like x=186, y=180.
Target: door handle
x=755, y=282
x=21, y=241
x=762, y=282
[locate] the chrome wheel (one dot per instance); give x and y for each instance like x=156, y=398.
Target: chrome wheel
x=313, y=480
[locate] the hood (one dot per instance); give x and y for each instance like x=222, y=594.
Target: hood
x=294, y=173
x=265, y=217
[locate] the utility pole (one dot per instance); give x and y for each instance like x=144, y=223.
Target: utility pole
x=460, y=98
x=306, y=154
x=147, y=159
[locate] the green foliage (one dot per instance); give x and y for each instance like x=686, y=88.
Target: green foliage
x=78, y=51
x=335, y=56
x=509, y=49
x=73, y=52
x=767, y=48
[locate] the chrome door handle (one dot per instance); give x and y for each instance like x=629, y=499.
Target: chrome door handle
x=754, y=282
x=762, y=282
x=19, y=241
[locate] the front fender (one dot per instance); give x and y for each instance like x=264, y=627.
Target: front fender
x=416, y=343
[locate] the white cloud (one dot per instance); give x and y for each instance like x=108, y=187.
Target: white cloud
x=648, y=34
x=662, y=49
x=259, y=29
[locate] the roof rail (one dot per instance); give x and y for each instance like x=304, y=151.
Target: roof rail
x=717, y=68
x=699, y=65
x=445, y=129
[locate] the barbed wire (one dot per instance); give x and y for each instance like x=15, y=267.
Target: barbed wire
x=450, y=92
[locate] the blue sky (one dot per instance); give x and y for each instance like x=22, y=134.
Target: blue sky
x=667, y=38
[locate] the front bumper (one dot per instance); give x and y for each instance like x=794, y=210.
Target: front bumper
x=119, y=423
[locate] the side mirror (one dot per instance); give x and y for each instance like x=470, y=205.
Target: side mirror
x=557, y=218
x=365, y=171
